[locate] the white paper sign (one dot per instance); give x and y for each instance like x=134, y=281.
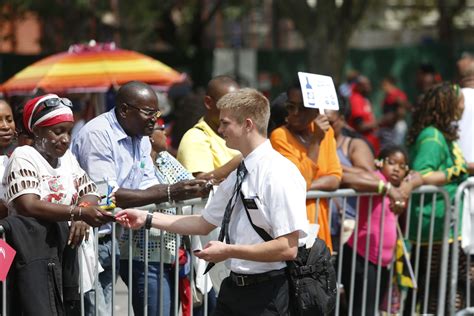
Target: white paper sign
x=318, y=91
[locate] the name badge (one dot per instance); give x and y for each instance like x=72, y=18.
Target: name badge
x=250, y=204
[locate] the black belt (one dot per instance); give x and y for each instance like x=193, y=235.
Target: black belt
x=249, y=279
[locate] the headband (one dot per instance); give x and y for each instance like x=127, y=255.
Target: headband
x=46, y=110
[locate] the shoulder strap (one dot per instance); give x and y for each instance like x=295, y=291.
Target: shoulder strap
x=260, y=231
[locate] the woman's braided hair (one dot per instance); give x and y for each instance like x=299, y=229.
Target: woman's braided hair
x=439, y=108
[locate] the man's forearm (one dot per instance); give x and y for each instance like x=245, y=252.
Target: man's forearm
x=182, y=224
x=281, y=249
x=126, y=198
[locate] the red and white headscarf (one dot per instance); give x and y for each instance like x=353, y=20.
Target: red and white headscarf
x=36, y=113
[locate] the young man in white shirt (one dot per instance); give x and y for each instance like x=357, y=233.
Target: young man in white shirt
x=274, y=193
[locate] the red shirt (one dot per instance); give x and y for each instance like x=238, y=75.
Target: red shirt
x=361, y=111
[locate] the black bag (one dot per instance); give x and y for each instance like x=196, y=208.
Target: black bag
x=311, y=276
x=312, y=280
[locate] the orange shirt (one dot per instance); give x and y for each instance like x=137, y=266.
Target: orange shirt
x=328, y=164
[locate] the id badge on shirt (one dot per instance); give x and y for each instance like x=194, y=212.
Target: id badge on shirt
x=256, y=211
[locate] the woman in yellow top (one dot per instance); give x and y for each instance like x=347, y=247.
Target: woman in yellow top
x=308, y=141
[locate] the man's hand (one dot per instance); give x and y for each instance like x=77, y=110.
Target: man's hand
x=214, y=251
x=131, y=218
x=95, y=216
x=188, y=189
x=322, y=126
x=79, y=230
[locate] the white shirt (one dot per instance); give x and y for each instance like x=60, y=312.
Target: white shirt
x=466, y=126
x=279, y=191
x=27, y=172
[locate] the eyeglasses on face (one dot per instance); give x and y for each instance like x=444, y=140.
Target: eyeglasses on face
x=147, y=113
x=50, y=103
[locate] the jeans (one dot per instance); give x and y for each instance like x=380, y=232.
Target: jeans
x=104, y=294
x=138, y=286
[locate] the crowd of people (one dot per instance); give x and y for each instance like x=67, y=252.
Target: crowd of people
x=262, y=158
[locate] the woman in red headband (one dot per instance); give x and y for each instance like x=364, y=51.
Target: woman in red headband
x=44, y=180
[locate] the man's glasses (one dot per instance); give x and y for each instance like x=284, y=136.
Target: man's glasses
x=147, y=113
x=50, y=103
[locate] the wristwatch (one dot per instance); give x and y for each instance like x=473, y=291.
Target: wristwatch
x=149, y=217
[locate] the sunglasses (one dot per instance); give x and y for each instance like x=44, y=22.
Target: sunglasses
x=147, y=113
x=51, y=103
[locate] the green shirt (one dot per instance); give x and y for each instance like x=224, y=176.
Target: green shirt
x=431, y=152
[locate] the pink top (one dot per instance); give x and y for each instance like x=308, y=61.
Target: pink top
x=389, y=228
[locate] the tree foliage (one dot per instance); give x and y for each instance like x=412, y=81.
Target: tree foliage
x=326, y=29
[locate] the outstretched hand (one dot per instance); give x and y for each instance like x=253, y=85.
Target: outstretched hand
x=95, y=216
x=131, y=218
x=189, y=189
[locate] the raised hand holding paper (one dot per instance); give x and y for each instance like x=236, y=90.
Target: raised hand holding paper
x=318, y=92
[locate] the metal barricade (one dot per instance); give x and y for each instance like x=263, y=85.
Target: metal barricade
x=463, y=202
x=410, y=303
x=362, y=289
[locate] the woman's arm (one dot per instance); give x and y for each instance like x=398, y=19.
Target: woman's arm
x=31, y=205
x=361, y=155
x=326, y=183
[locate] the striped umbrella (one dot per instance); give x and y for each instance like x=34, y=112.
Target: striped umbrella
x=90, y=68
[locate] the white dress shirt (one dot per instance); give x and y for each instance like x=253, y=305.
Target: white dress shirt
x=278, y=190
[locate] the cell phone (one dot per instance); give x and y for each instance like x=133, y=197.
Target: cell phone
x=196, y=250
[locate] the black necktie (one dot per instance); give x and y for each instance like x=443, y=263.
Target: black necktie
x=224, y=233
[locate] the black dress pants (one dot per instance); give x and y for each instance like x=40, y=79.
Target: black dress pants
x=261, y=299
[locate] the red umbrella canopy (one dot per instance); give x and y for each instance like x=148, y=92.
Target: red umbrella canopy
x=90, y=68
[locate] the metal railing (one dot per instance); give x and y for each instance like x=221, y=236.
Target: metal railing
x=427, y=195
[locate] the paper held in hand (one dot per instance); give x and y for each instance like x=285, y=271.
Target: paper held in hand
x=318, y=92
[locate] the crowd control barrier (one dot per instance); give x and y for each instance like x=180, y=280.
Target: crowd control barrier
x=438, y=266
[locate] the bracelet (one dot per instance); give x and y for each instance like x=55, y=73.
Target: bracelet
x=85, y=204
x=71, y=214
x=380, y=187
x=80, y=212
x=168, y=189
x=148, y=220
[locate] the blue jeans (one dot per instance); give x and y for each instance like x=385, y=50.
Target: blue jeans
x=104, y=298
x=138, y=286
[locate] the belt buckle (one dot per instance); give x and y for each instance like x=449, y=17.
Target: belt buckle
x=240, y=280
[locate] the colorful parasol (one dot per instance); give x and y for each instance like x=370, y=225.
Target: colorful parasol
x=90, y=68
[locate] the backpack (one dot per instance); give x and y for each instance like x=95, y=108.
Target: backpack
x=311, y=276
x=312, y=280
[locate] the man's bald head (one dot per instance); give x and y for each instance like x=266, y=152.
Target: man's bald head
x=216, y=89
x=221, y=85
x=132, y=90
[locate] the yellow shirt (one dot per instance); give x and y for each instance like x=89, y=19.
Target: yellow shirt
x=202, y=150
